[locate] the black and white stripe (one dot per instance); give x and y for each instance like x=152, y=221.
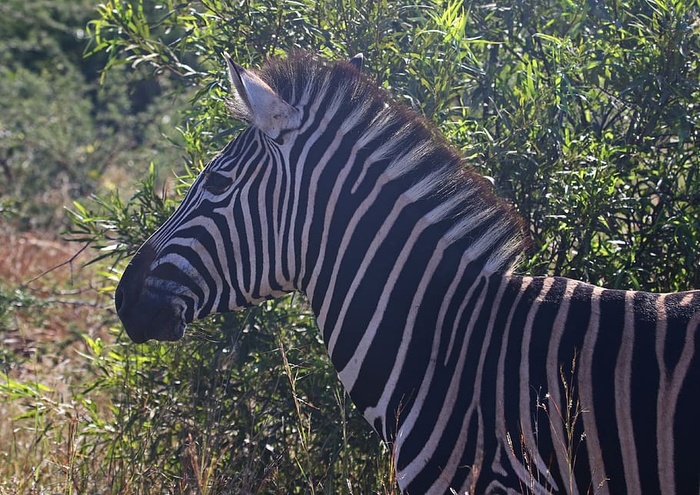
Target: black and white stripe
x=481, y=380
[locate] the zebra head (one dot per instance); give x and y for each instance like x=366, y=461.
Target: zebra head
x=330, y=169
x=224, y=248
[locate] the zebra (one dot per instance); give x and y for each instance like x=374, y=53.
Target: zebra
x=480, y=379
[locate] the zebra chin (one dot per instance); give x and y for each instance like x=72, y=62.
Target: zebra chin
x=152, y=320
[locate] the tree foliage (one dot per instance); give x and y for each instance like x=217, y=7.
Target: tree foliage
x=62, y=135
x=584, y=114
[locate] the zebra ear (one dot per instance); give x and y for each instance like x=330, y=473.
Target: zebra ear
x=256, y=103
x=357, y=61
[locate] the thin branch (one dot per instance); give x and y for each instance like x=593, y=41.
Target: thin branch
x=69, y=261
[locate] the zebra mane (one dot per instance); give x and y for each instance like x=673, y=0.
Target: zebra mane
x=414, y=142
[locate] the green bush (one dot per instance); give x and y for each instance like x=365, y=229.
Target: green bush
x=583, y=114
x=252, y=407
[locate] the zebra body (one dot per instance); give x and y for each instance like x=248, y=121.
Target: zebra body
x=481, y=381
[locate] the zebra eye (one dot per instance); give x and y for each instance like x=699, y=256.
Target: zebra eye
x=216, y=183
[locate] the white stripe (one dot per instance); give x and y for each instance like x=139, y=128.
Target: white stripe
x=295, y=184
x=526, y=423
x=560, y=439
x=671, y=381
x=501, y=430
x=424, y=388
x=476, y=250
x=247, y=233
x=595, y=456
x=623, y=399
x=402, y=201
x=341, y=178
x=664, y=427
x=455, y=459
x=381, y=409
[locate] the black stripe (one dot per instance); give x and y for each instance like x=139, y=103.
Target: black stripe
x=607, y=348
x=575, y=327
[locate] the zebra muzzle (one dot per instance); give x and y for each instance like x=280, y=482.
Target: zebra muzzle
x=144, y=314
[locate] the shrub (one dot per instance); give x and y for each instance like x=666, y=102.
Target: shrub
x=584, y=115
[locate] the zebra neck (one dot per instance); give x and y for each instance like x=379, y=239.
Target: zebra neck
x=395, y=311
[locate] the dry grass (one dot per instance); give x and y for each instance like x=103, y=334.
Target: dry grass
x=51, y=299
x=51, y=271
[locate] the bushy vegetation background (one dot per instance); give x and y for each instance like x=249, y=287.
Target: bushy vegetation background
x=583, y=114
